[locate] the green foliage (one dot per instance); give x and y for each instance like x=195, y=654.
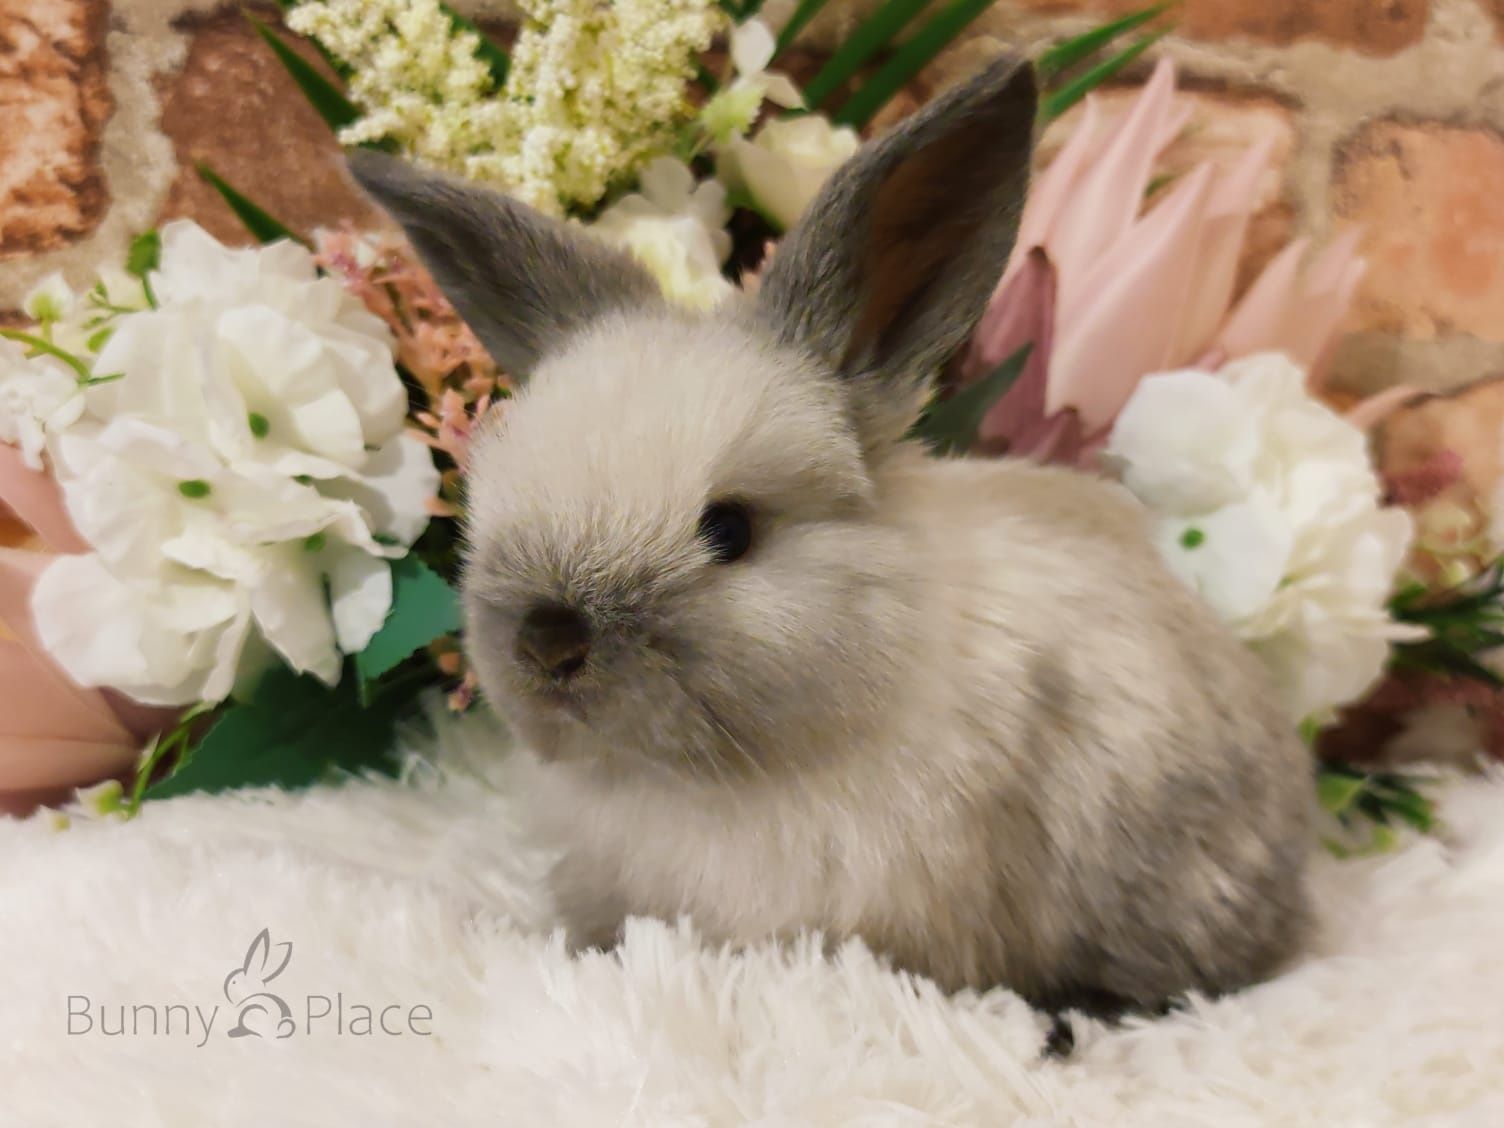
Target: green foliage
x=803, y=14
x=261, y=223
x=1078, y=49
x=908, y=60
x=330, y=102
x=144, y=254
x=1376, y=800
x=872, y=35
x=950, y=426
x=1057, y=102
x=1462, y=624
x=424, y=608
x=293, y=732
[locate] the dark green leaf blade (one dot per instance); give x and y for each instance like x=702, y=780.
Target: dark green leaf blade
x=293, y=733
x=803, y=14
x=908, y=61
x=330, y=102
x=266, y=227
x=1069, y=52
x=1052, y=105
x=950, y=426
x=424, y=608
x=871, y=36
x=336, y=65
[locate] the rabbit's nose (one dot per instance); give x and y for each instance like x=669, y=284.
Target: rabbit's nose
x=556, y=639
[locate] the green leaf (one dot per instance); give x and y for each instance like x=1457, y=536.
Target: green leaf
x=336, y=65
x=908, y=61
x=1337, y=790
x=261, y=223
x=330, y=102
x=870, y=37
x=1052, y=105
x=803, y=14
x=494, y=57
x=950, y=426
x=1069, y=52
x=424, y=607
x=293, y=732
x=144, y=254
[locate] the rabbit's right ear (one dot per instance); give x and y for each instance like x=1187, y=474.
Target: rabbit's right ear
x=521, y=281
x=255, y=955
x=891, y=266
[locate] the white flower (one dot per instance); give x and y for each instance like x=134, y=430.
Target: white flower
x=786, y=163
x=592, y=93
x=49, y=300
x=676, y=229
x=1268, y=505
x=243, y=483
x=39, y=396
x=731, y=112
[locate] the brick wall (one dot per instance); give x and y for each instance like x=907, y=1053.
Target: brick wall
x=1385, y=113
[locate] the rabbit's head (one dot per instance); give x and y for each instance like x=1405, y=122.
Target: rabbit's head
x=677, y=547
x=264, y=961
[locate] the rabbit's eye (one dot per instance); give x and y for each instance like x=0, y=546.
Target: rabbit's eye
x=726, y=529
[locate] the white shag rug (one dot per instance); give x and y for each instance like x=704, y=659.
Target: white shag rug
x=418, y=901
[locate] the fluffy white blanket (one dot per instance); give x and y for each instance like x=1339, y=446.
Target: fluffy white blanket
x=416, y=906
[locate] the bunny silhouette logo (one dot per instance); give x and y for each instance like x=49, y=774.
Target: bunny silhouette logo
x=262, y=1013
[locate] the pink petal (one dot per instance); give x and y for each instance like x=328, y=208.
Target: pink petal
x=35, y=498
x=1051, y=189
x=1217, y=252
x=1021, y=313
x=1057, y=439
x=1121, y=324
x=1366, y=413
x=1105, y=201
x=1258, y=321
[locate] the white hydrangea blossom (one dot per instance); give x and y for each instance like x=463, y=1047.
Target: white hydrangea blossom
x=593, y=92
x=1266, y=502
x=244, y=479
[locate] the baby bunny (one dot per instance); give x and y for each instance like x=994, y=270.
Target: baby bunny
x=782, y=671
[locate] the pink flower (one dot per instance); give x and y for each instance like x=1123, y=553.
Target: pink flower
x=1108, y=291
x=54, y=734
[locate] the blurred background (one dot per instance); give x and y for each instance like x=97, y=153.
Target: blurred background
x=1384, y=114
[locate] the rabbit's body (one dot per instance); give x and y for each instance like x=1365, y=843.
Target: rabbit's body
x=1040, y=802
x=783, y=672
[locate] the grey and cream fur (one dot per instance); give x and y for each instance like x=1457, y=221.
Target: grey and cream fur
x=957, y=708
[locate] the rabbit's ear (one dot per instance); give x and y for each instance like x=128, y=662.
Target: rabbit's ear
x=255, y=955
x=522, y=281
x=891, y=267
x=279, y=955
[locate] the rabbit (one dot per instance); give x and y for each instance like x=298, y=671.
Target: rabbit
x=245, y=987
x=780, y=670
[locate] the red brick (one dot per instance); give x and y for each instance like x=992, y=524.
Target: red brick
x=233, y=107
x=1427, y=195
x=54, y=102
x=1377, y=27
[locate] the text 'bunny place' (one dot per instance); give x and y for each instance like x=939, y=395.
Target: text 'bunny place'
x=253, y=1008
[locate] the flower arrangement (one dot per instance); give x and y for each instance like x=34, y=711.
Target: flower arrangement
x=234, y=473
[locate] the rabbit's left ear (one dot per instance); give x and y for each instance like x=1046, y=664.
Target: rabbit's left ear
x=523, y=282
x=891, y=267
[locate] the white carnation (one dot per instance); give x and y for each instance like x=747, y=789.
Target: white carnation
x=243, y=482
x=1268, y=505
